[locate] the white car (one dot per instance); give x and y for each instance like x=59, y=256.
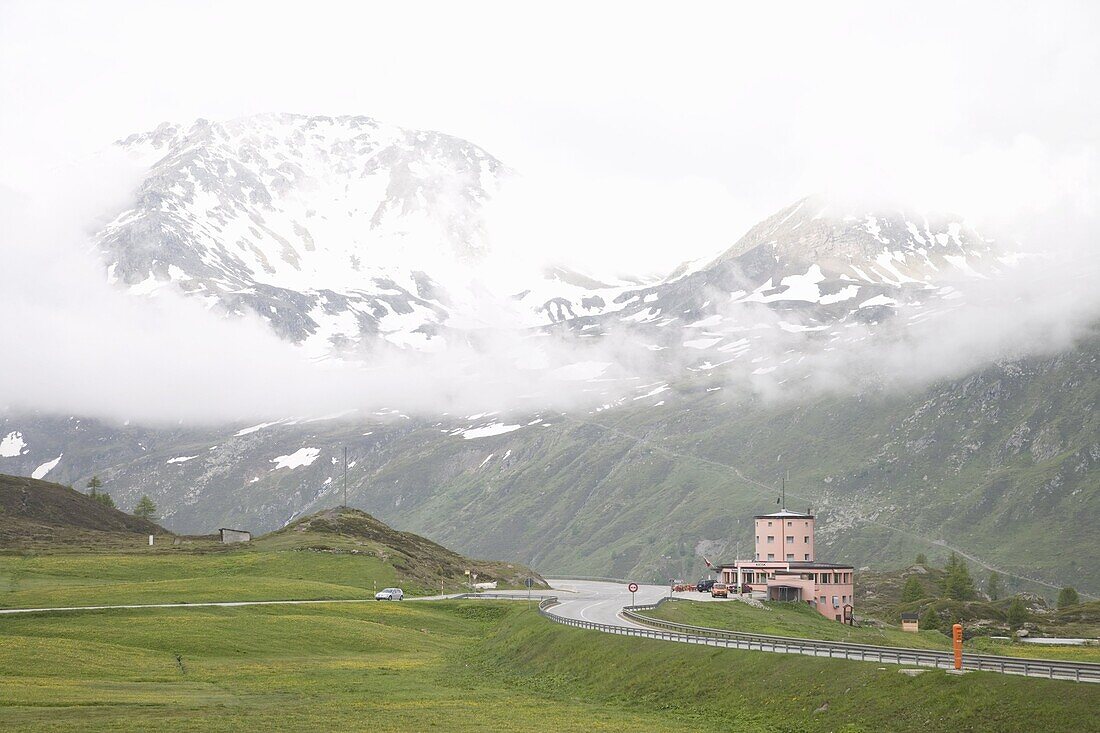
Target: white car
x=389, y=594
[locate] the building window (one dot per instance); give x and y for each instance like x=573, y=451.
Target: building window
x=790, y=540
x=822, y=600
x=836, y=602
x=771, y=539
x=789, y=524
x=769, y=524
x=771, y=556
x=806, y=540
x=807, y=556
x=758, y=539
x=790, y=556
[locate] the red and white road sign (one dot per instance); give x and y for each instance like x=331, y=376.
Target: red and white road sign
x=633, y=587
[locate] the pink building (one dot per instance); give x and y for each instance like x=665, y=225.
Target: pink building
x=784, y=567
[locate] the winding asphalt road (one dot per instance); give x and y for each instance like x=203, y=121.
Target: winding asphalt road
x=585, y=600
x=601, y=602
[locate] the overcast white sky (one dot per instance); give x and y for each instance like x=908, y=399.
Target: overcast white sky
x=650, y=135
x=684, y=124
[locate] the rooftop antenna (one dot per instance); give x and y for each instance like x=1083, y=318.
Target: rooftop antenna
x=345, y=477
x=783, y=491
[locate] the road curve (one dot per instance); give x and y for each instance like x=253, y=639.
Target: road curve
x=601, y=602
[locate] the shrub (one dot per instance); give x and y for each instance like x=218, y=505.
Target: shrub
x=1016, y=614
x=913, y=590
x=1068, y=597
x=929, y=620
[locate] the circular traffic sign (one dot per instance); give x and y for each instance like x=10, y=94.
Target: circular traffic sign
x=633, y=587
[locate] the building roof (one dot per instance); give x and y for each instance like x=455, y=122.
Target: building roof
x=229, y=529
x=784, y=515
x=815, y=564
x=793, y=564
x=910, y=616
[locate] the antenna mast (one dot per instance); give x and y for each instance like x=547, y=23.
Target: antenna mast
x=345, y=477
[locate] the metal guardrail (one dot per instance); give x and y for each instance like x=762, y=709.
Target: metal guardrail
x=683, y=633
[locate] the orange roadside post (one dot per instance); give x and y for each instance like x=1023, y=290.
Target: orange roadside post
x=957, y=639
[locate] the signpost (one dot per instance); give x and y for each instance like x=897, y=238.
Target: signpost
x=529, y=582
x=633, y=588
x=957, y=643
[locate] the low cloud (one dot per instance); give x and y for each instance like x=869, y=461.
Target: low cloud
x=75, y=345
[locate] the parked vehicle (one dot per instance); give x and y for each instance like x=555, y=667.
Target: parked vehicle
x=705, y=585
x=719, y=590
x=389, y=594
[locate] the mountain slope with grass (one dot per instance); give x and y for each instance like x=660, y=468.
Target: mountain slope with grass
x=34, y=512
x=991, y=464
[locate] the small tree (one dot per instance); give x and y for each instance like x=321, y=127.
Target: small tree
x=105, y=499
x=145, y=508
x=1068, y=597
x=957, y=583
x=929, y=620
x=913, y=590
x=921, y=559
x=94, y=483
x=1017, y=613
x=993, y=585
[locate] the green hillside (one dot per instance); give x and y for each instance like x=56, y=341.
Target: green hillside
x=996, y=464
x=40, y=514
x=335, y=554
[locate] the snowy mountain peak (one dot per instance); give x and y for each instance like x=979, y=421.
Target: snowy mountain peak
x=349, y=235
x=866, y=243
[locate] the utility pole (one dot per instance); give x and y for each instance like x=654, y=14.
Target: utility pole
x=345, y=477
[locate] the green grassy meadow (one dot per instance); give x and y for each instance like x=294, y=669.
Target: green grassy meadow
x=464, y=665
x=447, y=665
x=242, y=575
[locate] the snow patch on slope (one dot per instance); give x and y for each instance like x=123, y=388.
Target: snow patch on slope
x=12, y=445
x=45, y=468
x=297, y=459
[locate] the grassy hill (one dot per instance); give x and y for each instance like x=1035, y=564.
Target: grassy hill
x=414, y=558
x=59, y=547
x=42, y=514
